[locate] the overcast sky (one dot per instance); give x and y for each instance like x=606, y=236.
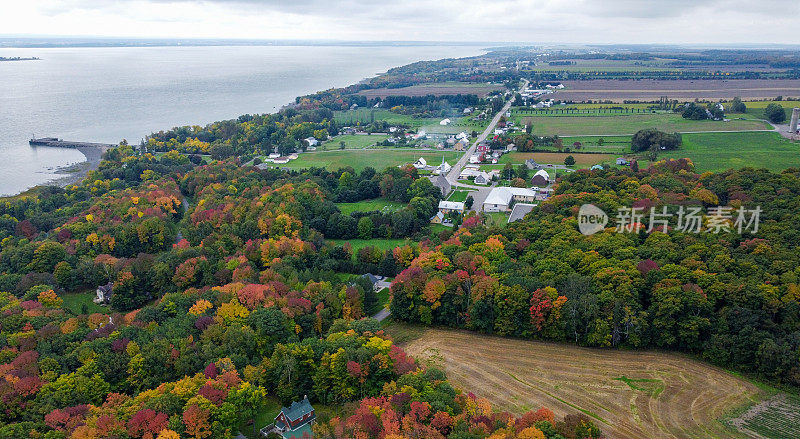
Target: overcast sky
x=568, y=21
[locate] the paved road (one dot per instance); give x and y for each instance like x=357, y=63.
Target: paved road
x=459, y=166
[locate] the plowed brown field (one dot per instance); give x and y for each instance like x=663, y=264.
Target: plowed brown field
x=628, y=394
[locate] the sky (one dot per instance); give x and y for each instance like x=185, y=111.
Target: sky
x=532, y=21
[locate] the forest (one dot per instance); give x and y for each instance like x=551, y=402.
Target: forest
x=225, y=293
x=732, y=299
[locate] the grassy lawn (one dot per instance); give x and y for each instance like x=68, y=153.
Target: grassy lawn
x=353, y=141
x=498, y=219
x=264, y=417
x=581, y=160
x=360, y=159
x=379, y=204
x=721, y=151
x=75, y=302
x=383, y=244
x=629, y=124
x=459, y=196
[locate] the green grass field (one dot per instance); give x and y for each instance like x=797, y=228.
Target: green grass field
x=352, y=141
x=75, y=302
x=459, y=196
x=496, y=219
x=721, y=151
x=360, y=159
x=379, y=204
x=383, y=244
x=629, y=124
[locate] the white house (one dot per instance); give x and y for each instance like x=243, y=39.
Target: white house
x=310, y=141
x=446, y=207
x=444, y=122
x=475, y=158
x=622, y=161
x=501, y=197
x=421, y=163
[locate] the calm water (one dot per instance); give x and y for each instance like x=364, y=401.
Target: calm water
x=110, y=94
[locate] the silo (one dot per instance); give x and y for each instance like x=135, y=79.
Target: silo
x=793, y=123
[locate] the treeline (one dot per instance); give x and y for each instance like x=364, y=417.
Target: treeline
x=732, y=299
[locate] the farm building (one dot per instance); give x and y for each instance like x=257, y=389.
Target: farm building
x=597, y=168
x=501, y=197
x=622, y=161
x=540, y=179
x=444, y=122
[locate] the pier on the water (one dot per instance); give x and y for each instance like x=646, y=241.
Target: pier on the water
x=53, y=141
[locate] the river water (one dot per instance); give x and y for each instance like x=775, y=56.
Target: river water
x=110, y=94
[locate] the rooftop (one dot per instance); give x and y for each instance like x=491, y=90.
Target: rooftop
x=519, y=211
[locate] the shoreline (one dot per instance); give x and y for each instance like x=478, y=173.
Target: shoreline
x=72, y=174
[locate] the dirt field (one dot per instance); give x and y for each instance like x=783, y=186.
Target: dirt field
x=628, y=394
x=650, y=89
x=448, y=88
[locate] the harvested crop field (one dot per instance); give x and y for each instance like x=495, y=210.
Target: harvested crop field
x=581, y=160
x=652, y=89
x=437, y=89
x=628, y=394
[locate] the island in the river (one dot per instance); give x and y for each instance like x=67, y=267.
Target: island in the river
x=19, y=58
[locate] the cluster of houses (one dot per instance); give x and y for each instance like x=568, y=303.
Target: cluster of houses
x=473, y=172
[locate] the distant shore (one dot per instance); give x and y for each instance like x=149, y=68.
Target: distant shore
x=17, y=58
x=75, y=173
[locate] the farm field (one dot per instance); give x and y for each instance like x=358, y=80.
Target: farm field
x=721, y=151
x=360, y=159
x=651, y=89
x=777, y=417
x=437, y=89
x=353, y=141
x=581, y=160
x=379, y=204
x=628, y=394
x=629, y=124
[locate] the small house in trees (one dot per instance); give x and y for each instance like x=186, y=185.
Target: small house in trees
x=294, y=421
x=104, y=294
x=310, y=141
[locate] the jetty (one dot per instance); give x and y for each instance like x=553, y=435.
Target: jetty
x=56, y=142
